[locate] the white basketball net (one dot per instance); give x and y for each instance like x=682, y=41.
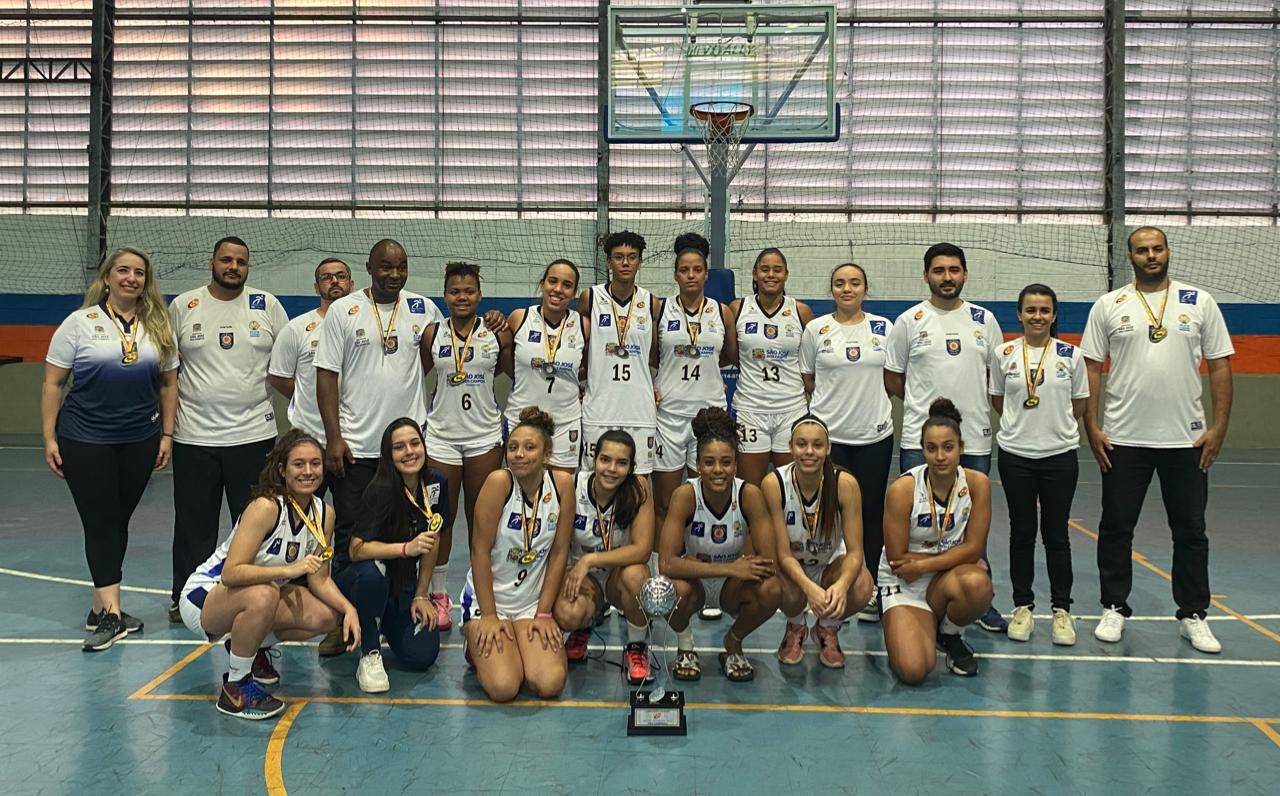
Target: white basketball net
x=722, y=125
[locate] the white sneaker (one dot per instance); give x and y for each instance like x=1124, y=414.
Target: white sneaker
x=371, y=675
x=1110, y=627
x=1022, y=624
x=1064, y=628
x=1196, y=630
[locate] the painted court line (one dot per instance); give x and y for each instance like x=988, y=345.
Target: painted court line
x=72, y=581
x=146, y=690
x=271, y=764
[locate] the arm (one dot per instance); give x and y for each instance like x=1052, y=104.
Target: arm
x=1221, y=392
x=50, y=403
x=507, y=355
x=427, y=350
x=897, y=347
x=336, y=452
x=850, y=497
x=735, y=307
x=997, y=403
x=729, y=353
x=320, y=583
x=897, y=518
x=671, y=539
x=281, y=384
x=490, y=631
x=168, y=415
x=543, y=624
x=1097, y=439
x=256, y=522
x=806, y=314
x=895, y=384
x=808, y=359
x=637, y=550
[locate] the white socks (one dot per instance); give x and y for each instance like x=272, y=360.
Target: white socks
x=240, y=668
x=798, y=619
x=438, y=577
x=635, y=632
x=828, y=623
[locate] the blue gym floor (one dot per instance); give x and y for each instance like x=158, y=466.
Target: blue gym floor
x=1149, y=713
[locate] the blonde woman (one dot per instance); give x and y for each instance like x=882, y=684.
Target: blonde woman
x=115, y=426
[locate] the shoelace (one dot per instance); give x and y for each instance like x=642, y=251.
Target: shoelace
x=272, y=654
x=253, y=692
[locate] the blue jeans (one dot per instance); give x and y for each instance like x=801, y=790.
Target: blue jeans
x=914, y=457
x=370, y=592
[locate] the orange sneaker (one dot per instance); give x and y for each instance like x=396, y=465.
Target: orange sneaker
x=791, y=650
x=828, y=638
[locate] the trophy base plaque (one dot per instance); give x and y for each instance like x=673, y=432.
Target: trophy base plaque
x=662, y=716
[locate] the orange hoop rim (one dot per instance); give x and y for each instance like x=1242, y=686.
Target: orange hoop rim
x=722, y=114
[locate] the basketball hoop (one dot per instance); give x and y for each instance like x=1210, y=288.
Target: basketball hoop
x=722, y=124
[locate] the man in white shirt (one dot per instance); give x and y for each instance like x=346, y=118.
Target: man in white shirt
x=1156, y=331
x=225, y=425
x=943, y=347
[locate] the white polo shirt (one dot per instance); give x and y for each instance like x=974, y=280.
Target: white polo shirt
x=847, y=364
x=945, y=354
x=1152, y=394
x=293, y=357
x=375, y=387
x=1048, y=428
x=225, y=348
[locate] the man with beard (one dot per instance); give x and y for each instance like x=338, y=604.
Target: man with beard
x=225, y=425
x=942, y=348
x=1156, y=332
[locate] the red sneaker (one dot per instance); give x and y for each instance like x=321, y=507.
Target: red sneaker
x=635, y=660
x=828, y=638
x=791, y=650
x=575, y=648
x=263, y=670
x=444, y=611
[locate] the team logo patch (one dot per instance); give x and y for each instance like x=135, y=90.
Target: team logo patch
x=919, y=314
x=697, y=529
x=953, y=346
x=226, y=339
x=193, y=303
x=99, y=329
x=274, y=547
x=1184, y=323
x=1124, y=319
x=1121, y=298
x=353, y=310
x=1007, y=350
x=546, y=498
x=291, y=552
x=359, y=332
x=311, y=327
x=605, y=321
x=513, y=521
x=757, y=354
x=719, y=532
x=535, y=336
x=786, y=313
x=924, y=521
x=254, y=326
x=791, y=518
x=770, y=331
x=392, y=344
x=579, y=522
x=446, y=351
x=673, y=326
x=1064, y=349
x=853, y=353
x=824, y=329
x=573, y=436
x=650, y=442
x=640, y=304
x=417, y=306
x=879, y=327
x=979, y=314
x=1187, y=296
x=751, y=328
x=257, y=301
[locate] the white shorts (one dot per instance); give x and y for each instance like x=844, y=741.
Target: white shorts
x=191, y=612
x=766, y=432
x=646, y=445
x=677, y=447
x=471, y=608
x=894, y=591
x=454, y=451
x=566, y=445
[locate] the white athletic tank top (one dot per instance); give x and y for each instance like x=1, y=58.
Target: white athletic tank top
x=689, y=381
x=284, y=545
x=769, y=358
x=466, y=411
x=558, y=395
x=811, y=553
x=713, y=538
x=619, y=388
x=518, y=570
x=587, y=534
x=924, y=536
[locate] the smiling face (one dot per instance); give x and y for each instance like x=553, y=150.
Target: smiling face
x=388, y=268
x=946, y=276
x=527, y=451
x=613, y=463
x=558, y=286
x=1037, y=314
x=462, y=296
x=303, y=470
x=127, y=277
x=848, y=288
x=717, y=465
x=407, y=451
x=230, y=266
x=810, y=446
x=770, y=275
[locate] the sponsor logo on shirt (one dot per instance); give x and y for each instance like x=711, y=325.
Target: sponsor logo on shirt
x=853, y=353
x=640, y=304
x=257, y=301
x=353, y=310
x=1197, y=425
x=535, y=336
x=274, y=547
x=1064, y=350
x=417, y=306
x=1007, y=350
x=193, y=303
x=791, y=518
x=1120, y=298
x=255, y=329
x=1187, y=296
x=311, y=327
x=757, y=354
x=919, y=314
x=786, y=313
x=1184, y=323
x=579, y=522
x=1061, y=370
x=573, y=436
x=881, y=427
x=605, y=321
x=979, y=315
x=879, y=327
x=953, y=346
x=751, y=328
x=513, y=521
x=697, y=529
x=673, y=326
x=824, y=329
x=226, y=339
x=737, y=529
x=291, y=552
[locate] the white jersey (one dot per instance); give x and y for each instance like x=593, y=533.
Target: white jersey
x=945, y=354
x=557, y=395
x=379, y=381
x=285, y=544
x=293, y=357
x=688, y=372
x=847, y=363
x=225, y=349
x=715, y=538
x=814, y=554
x=588, y=536
x=923, y=536
x=769, y=358
x=517, y=581
x=1153, y=391
x=467, y=410
x=1049, y=428
x=620, y=389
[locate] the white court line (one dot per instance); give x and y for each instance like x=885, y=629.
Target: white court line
x=54, y=579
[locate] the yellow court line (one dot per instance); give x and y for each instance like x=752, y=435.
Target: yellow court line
x=145, y=691
x=272, y=770
x=1215, y=602
x=1267, y=730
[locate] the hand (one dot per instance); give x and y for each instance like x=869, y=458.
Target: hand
x=818, y=600
x=548, y=630
x=307, y=566
x=1210, y=445
x=423, y=613
x=837, y=600
x=163, y=454
x=350, y=629
x=752, y=568
x=495, y=321
x=490, y=631
x=53, y=457
x=336, y=456
x=907, y=569
x=1100, y=445
x=657, y=397
x=420, y=545
x=573, y=581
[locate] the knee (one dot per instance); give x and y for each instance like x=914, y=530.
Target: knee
x=768, y=594
x=632, y=578
x=503, y=688
x=546, y=685
x=422, y=653
x=261, y=599
x=975, y=585
x=912, y=672
x=572, y=615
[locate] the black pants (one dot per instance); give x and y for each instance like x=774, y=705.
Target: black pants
x=201, y=476
x=1052, y=482
x=1184, y=489
x=869, y=465
x=106, y=483
x=348, y=505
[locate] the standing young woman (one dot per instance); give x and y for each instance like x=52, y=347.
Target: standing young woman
x=612, y=541
x=116, y=424
x=932, y=580
x=770, y=395
x=519, y=546
x=842, y=362
x=464, y=427
x=545, y=360
x=246, y=587
x=817, y=522
x=716, y=546
x=1046, y=384
x=695, y=337
x=393, y=554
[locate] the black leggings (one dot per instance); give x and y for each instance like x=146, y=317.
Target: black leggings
x=106, y=483
x=869, y=465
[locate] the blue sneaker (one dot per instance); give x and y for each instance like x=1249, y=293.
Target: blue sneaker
x=993, y=622
x=245, y=699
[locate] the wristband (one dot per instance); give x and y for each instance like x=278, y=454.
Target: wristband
x=415, y=599
x=165, y=434
x=542, y=615
x=404, y=550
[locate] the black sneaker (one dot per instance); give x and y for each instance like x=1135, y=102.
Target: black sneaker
x=175, y=616
x=960, y=657
x=109, y=630
x=132, y=624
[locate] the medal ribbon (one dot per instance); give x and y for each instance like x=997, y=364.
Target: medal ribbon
x=526, y=521
x=377, y=317
x=325, y=550
x=460, y=350
x=127, y=344
x=552, y=350
x=933, y=506
x=606, y=526
x=424, y=509
x=810, y=528
x=1033, y=380
x=1156, y=322
x=621, y=324
x=688, y=325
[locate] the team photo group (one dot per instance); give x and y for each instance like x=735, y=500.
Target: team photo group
x=616, y=457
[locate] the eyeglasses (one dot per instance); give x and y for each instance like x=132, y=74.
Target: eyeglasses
x=339, y=277
x=624, y=258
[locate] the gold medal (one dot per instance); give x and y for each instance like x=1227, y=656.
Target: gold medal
x=1157, y=333
x=692, y=328
x=389, y=343
x=128, y=343
x=551, y=344
x=527, y=524
x=130, y=356
x=1156, y=330
x=810, y=525
x=325, y=550
x=460, y=351
x=620, y=325
x=1031, y=379
x=1032, y=402
x=604, y=520
x=457, y=378
x=434, y=520
x=933, y=509
x=529, y=557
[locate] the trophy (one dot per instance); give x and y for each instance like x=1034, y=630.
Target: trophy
x=658, y=711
